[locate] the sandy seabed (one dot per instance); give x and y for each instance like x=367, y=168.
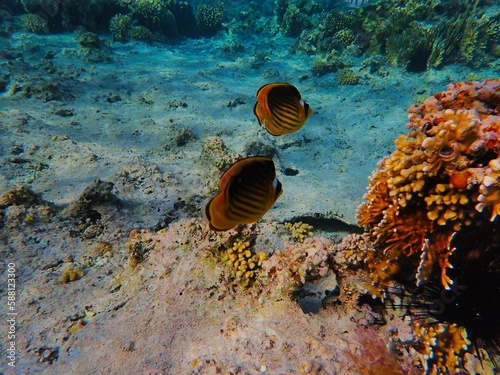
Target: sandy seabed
x=153, y=124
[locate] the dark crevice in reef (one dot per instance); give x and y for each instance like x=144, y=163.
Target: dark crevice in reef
x=328, y=224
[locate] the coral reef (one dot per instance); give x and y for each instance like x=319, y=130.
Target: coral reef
x=141, y=33
x=156, y=16
x=335, y=32
x=184, y=16
x=209, y=18
x=45, y=8
x=120, y=26
x=93, y=48
x=444, y=348
x=287, y=271
x=354, y=250
x=330, y=63
x=21, y=195
x=431, y=216
x=35, y=23
x=336, y=21
x=347, y=76
x=243, y=261
x=439, y=180
x=299, y=230
x=294, y=21
x=415, y=38
x=62, y=15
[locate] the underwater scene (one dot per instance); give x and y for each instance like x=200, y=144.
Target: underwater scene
x=250, y=187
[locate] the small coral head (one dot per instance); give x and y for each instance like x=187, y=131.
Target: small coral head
x=460, y=179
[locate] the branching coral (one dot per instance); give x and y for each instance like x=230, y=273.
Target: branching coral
x=209, y=18
x=35, y=23
x=154, y=14
x=490, y=189
x=424, y=34
x=70, y=273
x=336, y=21
x=442, y=176
x=120, y=26
x=347, y=76
x=443, y=348
x=300, y=231
x=243, y=261
x=354, y=250
x=294, y=21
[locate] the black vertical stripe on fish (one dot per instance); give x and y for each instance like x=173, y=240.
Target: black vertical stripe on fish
x=284, y=104
x=288, y=124
x=251, y=203
x=284, y=120
x=248, y=194
x=279, y=95
x=288, y=106
x=286, y=115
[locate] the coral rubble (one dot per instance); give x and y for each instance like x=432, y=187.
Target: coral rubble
x=287, y=271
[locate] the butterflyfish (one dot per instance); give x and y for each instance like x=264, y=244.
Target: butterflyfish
x=248, y=189
x=281, y=108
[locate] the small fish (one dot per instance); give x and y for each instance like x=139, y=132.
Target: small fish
x=281, y=108
x=355, y=3
x=249, y=188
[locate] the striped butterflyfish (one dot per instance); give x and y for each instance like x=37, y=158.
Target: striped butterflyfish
x=280, y=108
x=248, y=189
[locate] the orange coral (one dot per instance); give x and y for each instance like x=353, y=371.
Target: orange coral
x=443, y=348
x=442, y=177
x=490, y=190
